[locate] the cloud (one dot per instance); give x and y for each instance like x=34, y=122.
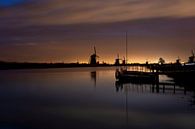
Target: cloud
x=148, y=39
x=25, y=44
x=96, y=11
x=163, y=24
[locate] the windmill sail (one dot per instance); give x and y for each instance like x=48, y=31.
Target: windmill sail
x=193, y=53
x=93, y=57
x=94, y=50
x=192, y=58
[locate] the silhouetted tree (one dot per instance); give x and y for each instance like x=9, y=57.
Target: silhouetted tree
x=161, y=61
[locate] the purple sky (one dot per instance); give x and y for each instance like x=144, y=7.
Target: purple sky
x=64, y=30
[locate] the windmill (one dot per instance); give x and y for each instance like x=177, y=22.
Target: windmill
x=124, y=61
x=93, y=58
x=117, y=60
x=191, y=58
x=178, y=60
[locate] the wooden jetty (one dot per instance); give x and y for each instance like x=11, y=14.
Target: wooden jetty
x=139, y=72
x=151, y=73
x=125, y=75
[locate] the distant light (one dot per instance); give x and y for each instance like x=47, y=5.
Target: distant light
x=190, y=64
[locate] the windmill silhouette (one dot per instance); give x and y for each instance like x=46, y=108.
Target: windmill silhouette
x=93, y=58
x=191, y=58
x=117, y=60
x=178, y=60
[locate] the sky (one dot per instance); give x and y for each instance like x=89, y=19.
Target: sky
x=66, y=31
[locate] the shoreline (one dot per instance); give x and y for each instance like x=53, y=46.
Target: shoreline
x=15, y=65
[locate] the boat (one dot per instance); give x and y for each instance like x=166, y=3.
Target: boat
x=136, y=76
x=123, y=74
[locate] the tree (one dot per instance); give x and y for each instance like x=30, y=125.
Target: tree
x=161, y=61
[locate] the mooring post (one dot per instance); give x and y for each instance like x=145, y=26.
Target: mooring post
x=163, y=88
x=157, y=76
x=157, y=80
x=157, y=88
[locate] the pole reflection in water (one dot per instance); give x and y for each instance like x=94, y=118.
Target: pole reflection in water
x=164, y=88
x=126, y=105
x=66, y=99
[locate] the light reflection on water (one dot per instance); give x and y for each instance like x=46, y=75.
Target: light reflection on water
x=90, y=98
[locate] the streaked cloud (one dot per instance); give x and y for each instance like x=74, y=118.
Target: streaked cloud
x=96, y=11
x=161, y=27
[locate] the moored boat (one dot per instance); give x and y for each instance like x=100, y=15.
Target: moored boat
x=138, y=76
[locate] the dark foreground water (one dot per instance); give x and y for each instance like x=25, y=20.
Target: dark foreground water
x=88, y=98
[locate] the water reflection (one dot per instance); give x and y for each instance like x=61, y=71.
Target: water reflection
x=94, y=77
x=172, y=87
x=164, y=87
x=150, y=88
x=65, y=98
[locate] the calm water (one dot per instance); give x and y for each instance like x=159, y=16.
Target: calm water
x=88, y=98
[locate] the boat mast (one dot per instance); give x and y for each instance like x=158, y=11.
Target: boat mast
x=126, y=48
x=94, y=50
